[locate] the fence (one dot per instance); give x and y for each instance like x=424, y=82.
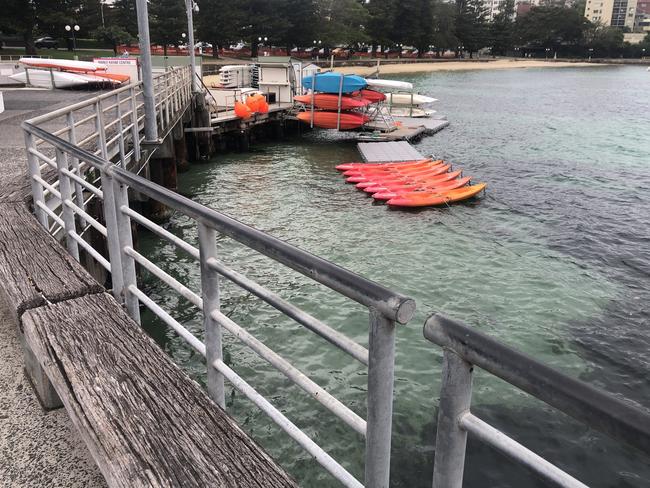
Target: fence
x=111, y=182
x=465, y=347
x=111, y=126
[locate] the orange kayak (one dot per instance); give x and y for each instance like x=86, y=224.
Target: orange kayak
x=402, y=164
x=429, y=188
x=412, y=178
x=426, y=199
x=391, y=169
x=414, y=186
x=331, y=102
x=328, y=120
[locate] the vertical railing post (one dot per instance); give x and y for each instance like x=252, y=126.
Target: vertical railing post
x=66, y=197
x=37, y=190
x=135, y=130
x=120, y=129
x=113, y=237
x=455, y=399
x=101, y=129
x=381, y=372
x=125, y=238
x=72, y=137
x=210, y=295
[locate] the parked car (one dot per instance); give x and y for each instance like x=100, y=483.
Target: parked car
x=46, y=42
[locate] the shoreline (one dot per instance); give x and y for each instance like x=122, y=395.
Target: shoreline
x=389, y=69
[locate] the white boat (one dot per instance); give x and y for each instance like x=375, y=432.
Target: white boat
x=43, y=79
x=415, y=112
x=64, y=64
x=406, y=99
x=390, y=84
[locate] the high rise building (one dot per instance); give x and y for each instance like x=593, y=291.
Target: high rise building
x=615, y=13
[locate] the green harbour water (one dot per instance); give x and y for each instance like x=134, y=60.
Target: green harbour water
x=554, y=260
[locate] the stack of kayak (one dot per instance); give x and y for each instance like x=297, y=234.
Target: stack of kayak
x=336, y=101
x=66, y=73
x=420, y=183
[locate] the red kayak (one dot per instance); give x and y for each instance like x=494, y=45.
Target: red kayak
x=413, y=178
x=436, y=187
x=426, y=199
x=391, y=169
x=414, y=186
x=328, y=120
x=372, y=96
x=331, y=102
x=401, y=164
x=356, y=177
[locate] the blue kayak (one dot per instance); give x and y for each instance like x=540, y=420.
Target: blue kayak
x=330, y=82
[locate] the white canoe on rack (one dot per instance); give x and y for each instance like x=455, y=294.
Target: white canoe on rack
x=406, y=99
x=43, y=79
x=389, y=84
x=64, y=64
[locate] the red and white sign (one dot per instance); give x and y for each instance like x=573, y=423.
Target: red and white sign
x=122, y=66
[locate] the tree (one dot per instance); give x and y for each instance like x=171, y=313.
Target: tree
x=381, y=15
x=551, y=27
x=19, y=17
x=414, y=24
x=604, y=40
x=301, y=19
x=471, y=25
x=113, y=35
x=167, y=20
x=124, y=14
x=502, y=28
x=444, y=26
x=342, y=22
x=219, y=23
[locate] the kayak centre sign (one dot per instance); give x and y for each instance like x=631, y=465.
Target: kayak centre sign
x=122, y=66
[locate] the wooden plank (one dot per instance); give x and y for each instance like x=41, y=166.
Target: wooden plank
x=34, y=268
x=144, y=421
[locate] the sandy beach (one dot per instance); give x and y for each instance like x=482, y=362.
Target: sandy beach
x=458, y=66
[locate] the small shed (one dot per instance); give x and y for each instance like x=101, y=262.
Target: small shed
x=277, y=78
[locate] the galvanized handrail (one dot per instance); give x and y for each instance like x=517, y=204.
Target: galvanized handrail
x=465, y=347
x=385, y=306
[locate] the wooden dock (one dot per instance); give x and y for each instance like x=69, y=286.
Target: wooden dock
x=408, y=129
x=386, y=152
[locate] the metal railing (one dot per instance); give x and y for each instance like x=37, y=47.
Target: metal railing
x=112, y=184
x=465, y=348
x=111, y=126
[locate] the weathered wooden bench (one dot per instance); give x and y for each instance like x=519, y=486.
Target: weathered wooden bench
x=35, y=270
x=144, y=421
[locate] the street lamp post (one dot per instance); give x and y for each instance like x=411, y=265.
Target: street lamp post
x=150, y=123
x=73, y=29
x=643, y=53
x=191, y=6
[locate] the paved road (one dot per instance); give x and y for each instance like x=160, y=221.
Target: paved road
x=37, y=449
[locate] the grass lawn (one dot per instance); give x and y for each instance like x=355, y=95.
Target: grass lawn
x=83, y=54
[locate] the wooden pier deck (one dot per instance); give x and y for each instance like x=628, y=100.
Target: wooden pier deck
x=408, y=129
